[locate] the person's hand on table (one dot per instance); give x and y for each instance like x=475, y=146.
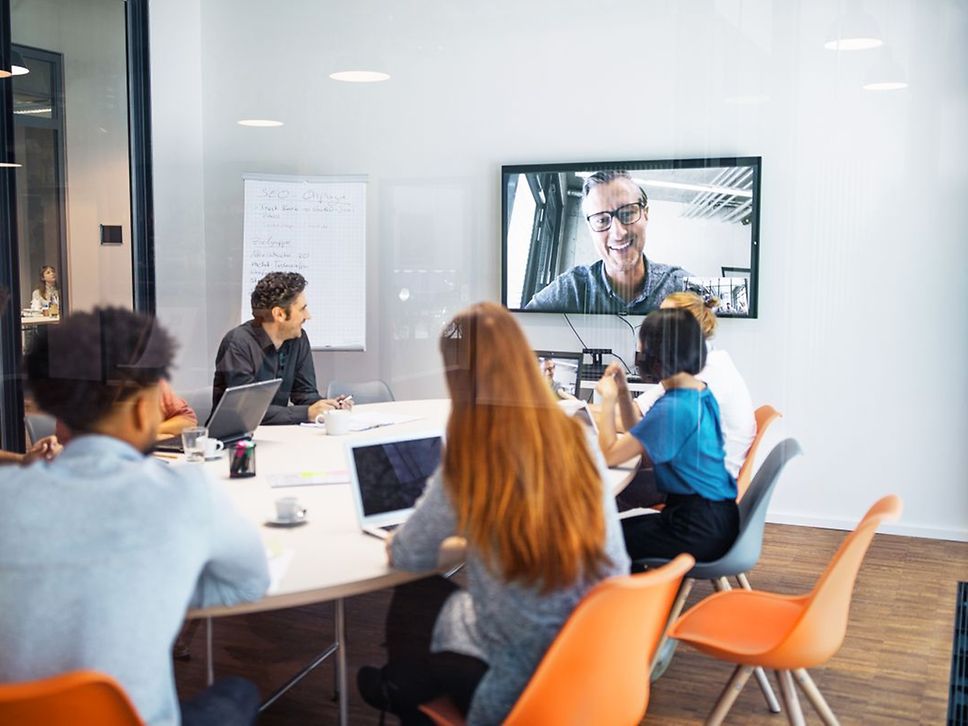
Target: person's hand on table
x=321, y=406
x=344, y=402
x=46, y=448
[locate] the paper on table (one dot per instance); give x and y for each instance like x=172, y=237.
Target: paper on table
x=307, y=478
x=360, y=421
x=279, y=561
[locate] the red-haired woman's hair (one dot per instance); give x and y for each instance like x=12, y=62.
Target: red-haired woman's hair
x=526, y=490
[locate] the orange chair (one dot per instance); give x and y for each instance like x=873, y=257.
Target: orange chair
x=597, y=669
x=79, y=697
x=786, y=633
x=765, y=415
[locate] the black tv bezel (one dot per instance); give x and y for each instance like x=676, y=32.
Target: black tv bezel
x=754, y=161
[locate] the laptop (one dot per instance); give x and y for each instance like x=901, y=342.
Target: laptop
x=579, y=410
x=388, y=475
x=238, y=413
x=564, y=368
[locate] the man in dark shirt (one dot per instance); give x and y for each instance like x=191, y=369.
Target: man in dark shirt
x=623, y=281
x=274, y=345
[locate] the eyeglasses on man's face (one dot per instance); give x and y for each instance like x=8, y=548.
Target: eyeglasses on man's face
x=626, y=214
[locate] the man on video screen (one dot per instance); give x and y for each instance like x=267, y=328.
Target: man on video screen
x=623, y=281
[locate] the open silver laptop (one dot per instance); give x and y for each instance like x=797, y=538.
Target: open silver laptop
x=579, y=410
x=238, y=413
x=388, y=475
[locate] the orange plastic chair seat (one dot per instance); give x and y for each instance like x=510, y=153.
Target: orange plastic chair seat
x=743, y=626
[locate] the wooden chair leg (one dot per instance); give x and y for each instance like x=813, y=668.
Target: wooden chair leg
x=815, y=697
x=728, y=697
x=764, y=683
x=743, y=581
x=790, y=701
x=677, y=607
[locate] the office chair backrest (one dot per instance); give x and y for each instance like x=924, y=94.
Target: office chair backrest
x=79, y=697
x=822, y=626
x=745, y=552
x=765, y=415
x=366, y=392
x=597, y=669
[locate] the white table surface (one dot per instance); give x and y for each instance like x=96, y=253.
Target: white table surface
x=332, y=558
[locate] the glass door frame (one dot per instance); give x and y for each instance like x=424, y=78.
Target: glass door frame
x=12, y=436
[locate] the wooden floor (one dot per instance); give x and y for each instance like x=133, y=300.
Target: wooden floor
x=893, y=667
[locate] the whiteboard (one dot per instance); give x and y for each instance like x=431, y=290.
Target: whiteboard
x=315, y=226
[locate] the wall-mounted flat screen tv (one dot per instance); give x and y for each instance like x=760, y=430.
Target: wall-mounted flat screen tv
x=617, y=237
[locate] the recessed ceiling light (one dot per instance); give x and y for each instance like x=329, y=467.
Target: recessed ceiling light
x=360, y=76
x=853, y=44
x=9, y=165
x=264, y=123
x=885, y=86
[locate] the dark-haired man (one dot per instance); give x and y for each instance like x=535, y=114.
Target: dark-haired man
x=274, y=345
x=103, y=549
x=624, y=281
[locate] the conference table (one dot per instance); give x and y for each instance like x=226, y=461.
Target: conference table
x=328, y=558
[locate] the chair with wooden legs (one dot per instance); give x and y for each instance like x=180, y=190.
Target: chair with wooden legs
x=597, y=669
x=788, y=633
x=79, y=697
x=741, y=557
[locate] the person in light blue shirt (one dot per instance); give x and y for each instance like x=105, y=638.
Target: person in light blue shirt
x=682, y=436
x=103, y=549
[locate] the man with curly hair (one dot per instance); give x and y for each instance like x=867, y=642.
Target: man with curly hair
x=274, y=345
x=103, y=549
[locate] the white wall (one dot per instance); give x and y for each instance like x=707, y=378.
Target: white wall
x=860, y=338
x=91, y=36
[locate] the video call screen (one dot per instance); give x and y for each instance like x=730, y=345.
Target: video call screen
x=698, y=220
x=393, y=476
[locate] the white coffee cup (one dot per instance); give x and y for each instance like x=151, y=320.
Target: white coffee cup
x=337, y=421
x=212, y=446
x=288, y=509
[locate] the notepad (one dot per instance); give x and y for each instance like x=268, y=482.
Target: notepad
x=360, y=421
x=309, y=478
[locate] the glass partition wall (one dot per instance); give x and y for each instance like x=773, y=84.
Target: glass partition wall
x=75, y=171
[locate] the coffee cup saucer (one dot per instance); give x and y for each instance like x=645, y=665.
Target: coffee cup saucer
x=295, y=522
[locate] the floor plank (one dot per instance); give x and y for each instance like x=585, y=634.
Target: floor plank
x=892, y=668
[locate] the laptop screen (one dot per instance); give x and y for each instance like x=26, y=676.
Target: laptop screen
x=392, y=476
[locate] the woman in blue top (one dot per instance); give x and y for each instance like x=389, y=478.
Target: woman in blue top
x=681, y=435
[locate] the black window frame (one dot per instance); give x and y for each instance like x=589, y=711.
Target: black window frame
x=12, y=435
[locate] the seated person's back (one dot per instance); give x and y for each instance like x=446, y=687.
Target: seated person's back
x=103, y=549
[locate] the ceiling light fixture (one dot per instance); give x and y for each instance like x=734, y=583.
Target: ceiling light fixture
x=17, y=65
x=854, y=30
x=885, y=74
x=360, y=76
x=261, y=123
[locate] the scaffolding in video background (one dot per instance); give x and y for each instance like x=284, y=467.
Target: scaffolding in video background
x=732, y=293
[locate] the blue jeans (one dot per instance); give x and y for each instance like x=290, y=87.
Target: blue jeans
x=230, y=701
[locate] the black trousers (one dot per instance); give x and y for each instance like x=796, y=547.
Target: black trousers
x=413, y=674
x=704, y=528
x=230, y=701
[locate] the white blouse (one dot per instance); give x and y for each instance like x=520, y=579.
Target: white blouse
x=735, y=405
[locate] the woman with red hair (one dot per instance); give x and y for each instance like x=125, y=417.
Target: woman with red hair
x=523, y=485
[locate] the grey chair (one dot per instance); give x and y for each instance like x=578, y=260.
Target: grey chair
x=39, y=425
x=366, y=392
x=739, y=560
x=201, y=402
